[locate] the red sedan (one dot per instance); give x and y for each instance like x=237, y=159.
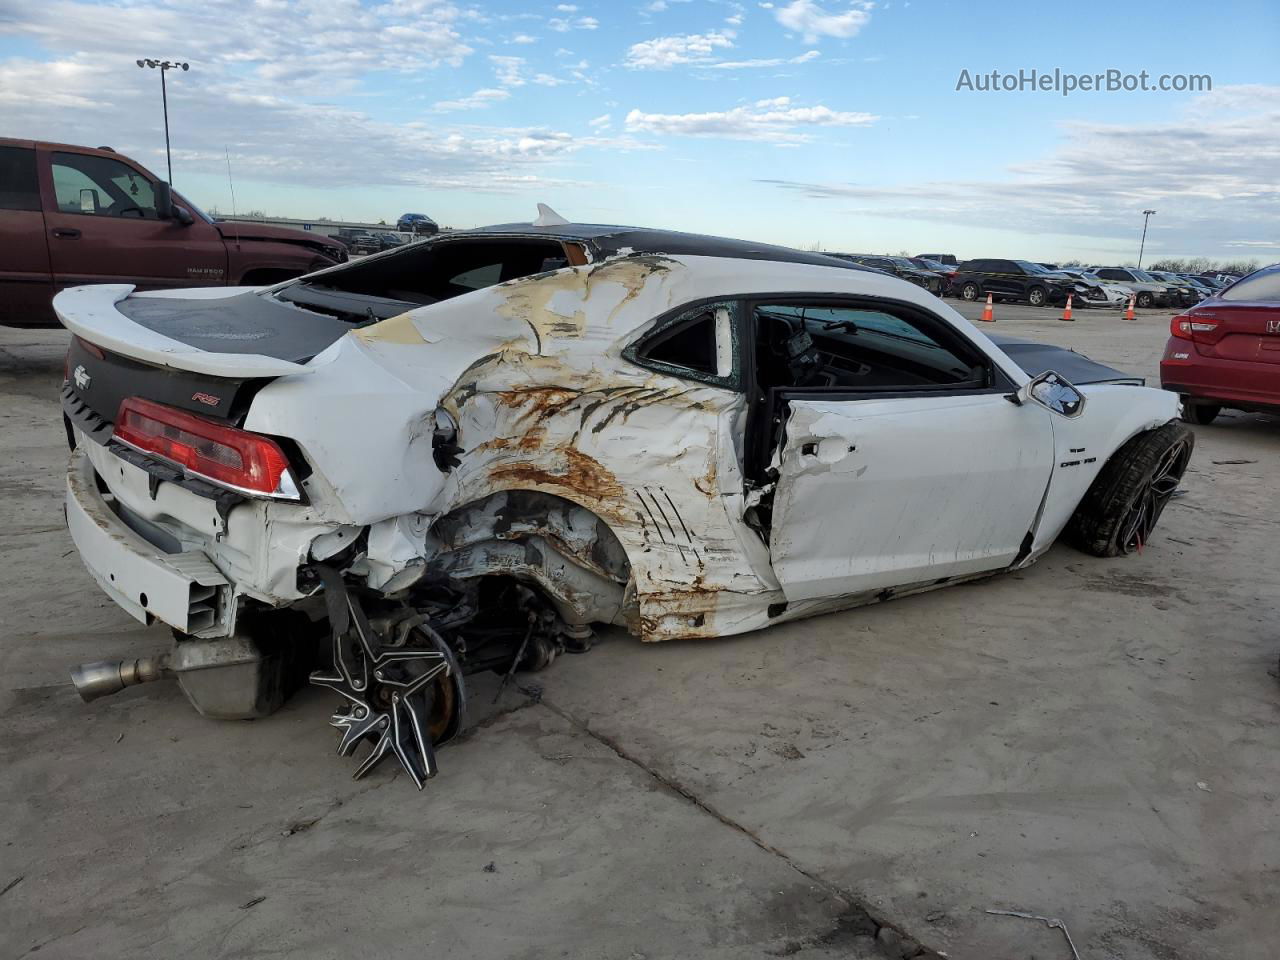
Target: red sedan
x=1225, y=351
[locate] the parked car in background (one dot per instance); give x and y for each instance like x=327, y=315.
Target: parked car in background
x=902, y=267
x=1225, y=352
x=1199, y=284
x=1114, y=294
x=1150, y=291
x=418, y=223
x=1015, y=280
x=1187, y=293
x=389, y=241
x=946, y=258
x=364, y=243
x=71, y=215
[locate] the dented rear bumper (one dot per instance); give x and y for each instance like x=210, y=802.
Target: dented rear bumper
x=184, y=589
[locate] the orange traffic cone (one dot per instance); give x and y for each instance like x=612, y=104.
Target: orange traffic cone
x=1128, y=314
x=987, y=315
x=1066, y=313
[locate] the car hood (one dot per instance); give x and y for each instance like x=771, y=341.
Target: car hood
x=1036, y=358
x=237, y=230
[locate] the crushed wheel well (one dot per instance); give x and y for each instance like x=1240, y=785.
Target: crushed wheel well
x=569, y=553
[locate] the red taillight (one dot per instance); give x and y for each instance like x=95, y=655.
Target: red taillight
x=1186, y=327
x=212, y=451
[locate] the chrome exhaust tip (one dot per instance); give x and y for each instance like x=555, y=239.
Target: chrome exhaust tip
x=102, y=678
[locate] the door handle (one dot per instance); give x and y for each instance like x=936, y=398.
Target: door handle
x=68, y=232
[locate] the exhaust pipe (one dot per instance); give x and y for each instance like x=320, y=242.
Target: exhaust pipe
x=101, y=678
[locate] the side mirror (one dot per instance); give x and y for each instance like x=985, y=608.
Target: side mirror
x=1052, y=392
x=183, y=215
x=163, y=194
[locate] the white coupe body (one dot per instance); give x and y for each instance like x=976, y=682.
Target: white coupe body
x=690, y=501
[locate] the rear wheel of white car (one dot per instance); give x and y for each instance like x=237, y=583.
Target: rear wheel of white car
x=1122, y=507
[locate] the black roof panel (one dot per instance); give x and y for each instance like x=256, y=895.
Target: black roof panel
x=608, y=239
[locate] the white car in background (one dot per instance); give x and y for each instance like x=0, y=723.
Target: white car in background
x=1116, y=294
x=460, y=455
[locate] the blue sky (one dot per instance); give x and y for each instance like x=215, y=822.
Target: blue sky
x=806, y=122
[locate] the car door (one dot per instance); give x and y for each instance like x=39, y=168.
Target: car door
x=103, y=227
x=907, y=463
x=26, y=282
x=1007, y=279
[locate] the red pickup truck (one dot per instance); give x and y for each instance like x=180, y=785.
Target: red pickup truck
x=73, y=215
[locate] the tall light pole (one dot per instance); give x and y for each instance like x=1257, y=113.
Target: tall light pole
x=162, y=66
x=1146, y=215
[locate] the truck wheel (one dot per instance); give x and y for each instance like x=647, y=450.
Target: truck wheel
x=1144, y=300
x=1201, y=413
x=970, y=291
x=1037, y=296
x=1122, y=507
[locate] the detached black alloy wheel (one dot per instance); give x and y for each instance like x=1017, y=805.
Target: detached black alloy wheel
x=1144, y=300
x=1037, y=296
x=970, y=291
x=1121, y=509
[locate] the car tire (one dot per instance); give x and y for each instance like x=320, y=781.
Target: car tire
x=1144, y=300
x=1201, y=413
x=970, y=291
x=1121, y=508
x=1037, y=296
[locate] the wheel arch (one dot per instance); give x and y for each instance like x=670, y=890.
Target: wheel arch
x=556, y=542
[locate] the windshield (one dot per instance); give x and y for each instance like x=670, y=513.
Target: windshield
x=904, y=262
x=1143, y=277
x=1030, y=267
x=192, y=207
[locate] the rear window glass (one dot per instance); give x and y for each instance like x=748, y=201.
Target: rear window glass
x=1260, y=286
x=18, y=187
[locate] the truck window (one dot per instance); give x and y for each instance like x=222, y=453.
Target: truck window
x=100, y=186
x=19, y=189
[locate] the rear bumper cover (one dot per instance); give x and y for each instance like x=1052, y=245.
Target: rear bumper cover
x=1230, y=383
x=183, y=589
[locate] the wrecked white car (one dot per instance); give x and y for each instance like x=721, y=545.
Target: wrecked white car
x=460, y=455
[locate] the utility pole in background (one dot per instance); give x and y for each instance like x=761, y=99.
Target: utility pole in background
x=162, y=66
x=1146, y=216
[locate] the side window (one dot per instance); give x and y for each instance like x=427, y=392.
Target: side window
x=101, y=186
x=699, y=344
x=478, y=277
x=861, y=348
x=19, y=189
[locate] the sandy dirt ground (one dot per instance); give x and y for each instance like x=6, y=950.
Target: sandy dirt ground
x=1092, y=740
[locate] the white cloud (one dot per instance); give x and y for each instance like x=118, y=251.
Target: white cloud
x=473, y=101
x=564, y=24
x=602, y=122
x=812, y=22
x=777, y=120
x=507, y=70
x=662, y=53
x=523, y=38
x=769, y=62
x=1210, y=173
x=566, y=8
